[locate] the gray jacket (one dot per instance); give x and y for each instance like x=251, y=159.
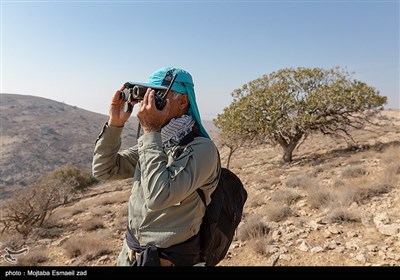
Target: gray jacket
x=164, y=207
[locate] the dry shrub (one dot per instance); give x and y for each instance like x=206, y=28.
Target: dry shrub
x=277, y=212
x=33, y=258
x=317, y=170
x=267, y=184
x=50, y=233
x=389, y=173
x=259, y=246
x=252, y=228
x=354, y=171
x=366, y=192
x=337, y=183
x=301, y=180
x=77, y=210
x=391, y=155
x=342, y=215
x=363, y=189
x=123, y=211
x=101, y=212
x=115, y=198
x=256, y=201
x=319, y=196
x=93, y=224
x=89, y=247
x=286, y=196
x=61, y=213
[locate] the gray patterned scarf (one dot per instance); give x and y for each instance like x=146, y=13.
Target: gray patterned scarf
x=176, y=129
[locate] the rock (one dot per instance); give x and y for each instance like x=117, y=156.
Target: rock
x=317, y=249
x=391, y=230
x=361, y=258
x=334, y=230
x=372, y=248
x=353, y=233
x=274, y=259
x=381, y=219
x=330, y=245
x=351, y=245
x=393, y=256
x=285, y=257
x=314, y=225
x=340, y=249
x=327, y=234
x=276, y=235
x=303, y=247
x=271, y=249
x=44, y=241
x=103, y=259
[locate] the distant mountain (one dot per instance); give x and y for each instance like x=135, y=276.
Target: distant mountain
x=39, y=135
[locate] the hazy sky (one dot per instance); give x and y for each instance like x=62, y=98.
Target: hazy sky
x=81, y=52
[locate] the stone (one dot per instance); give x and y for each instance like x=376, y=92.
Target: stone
x=317, y=249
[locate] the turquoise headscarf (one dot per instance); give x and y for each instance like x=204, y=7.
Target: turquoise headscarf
x=161, y=79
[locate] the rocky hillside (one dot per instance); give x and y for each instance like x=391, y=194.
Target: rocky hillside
x=39, y=135
x=333, y=205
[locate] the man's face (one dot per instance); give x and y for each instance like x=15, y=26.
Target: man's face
x=179, y=104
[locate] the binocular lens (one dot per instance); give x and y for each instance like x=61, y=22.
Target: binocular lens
x=139, y=92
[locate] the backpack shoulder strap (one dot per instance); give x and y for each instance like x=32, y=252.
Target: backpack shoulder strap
x=202, y=196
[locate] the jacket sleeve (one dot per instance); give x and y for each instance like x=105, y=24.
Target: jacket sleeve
x=108, y=163
x=166, y=184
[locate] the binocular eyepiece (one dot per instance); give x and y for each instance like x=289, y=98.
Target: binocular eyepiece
x=136, y=93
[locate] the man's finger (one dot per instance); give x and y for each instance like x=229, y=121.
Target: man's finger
x=150, y=100
x=116, y=100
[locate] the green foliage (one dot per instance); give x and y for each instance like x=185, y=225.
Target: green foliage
x=283, y=107
x=72, y=178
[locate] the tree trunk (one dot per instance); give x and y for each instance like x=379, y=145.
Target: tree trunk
x=289, y=147
x=231, y=151
x=288, y=152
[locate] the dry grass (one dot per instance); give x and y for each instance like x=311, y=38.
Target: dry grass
x=342, y=215
x=336, y=183
x=116, y=198
x=256, y=201
x=93, y=224
x=78, y=209
x=299, y=180
x=50, y=233
x=320, y=197
x=267, y=184
x=89, y=247
x=34, y=257
x=102, y=212
x=277, y=212
x=351, y=171
x=252, y=228
x=259, y=246
x=286, y=196
x=391, y=155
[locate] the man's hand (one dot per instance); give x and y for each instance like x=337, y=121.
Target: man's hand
x=149, y=116
x=117, y=115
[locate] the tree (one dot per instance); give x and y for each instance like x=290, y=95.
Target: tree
x=30, y=207
x=230, y=135
x=283, y=107
x=70, y=181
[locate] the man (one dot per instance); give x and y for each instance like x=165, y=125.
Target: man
x=172, y=159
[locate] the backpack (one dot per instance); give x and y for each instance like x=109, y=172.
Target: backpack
x=222, y=217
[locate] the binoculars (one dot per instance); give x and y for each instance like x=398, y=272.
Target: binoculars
x=135, y=92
